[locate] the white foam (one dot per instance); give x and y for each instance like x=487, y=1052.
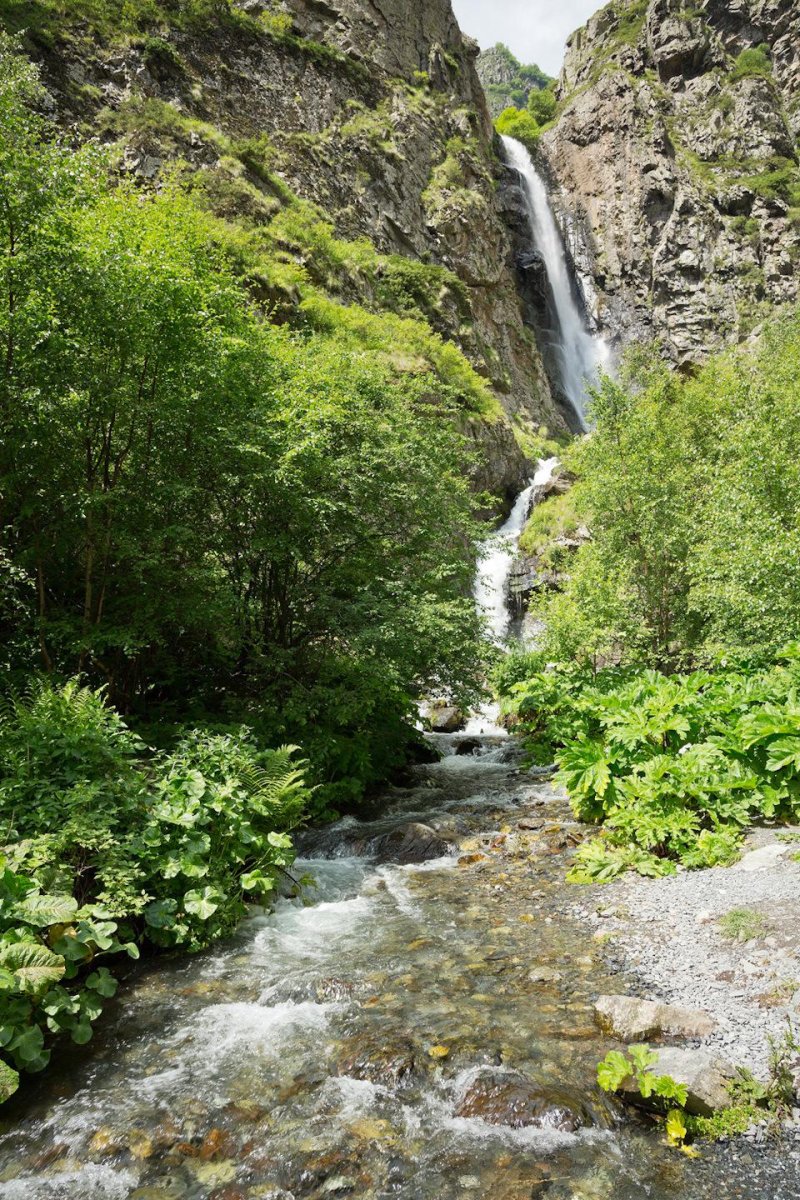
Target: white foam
x=90, y=1182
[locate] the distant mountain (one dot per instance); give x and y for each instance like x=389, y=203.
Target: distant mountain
x=506, y=81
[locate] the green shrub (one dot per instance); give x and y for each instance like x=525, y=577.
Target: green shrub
x=519, y=124
x=542, y=105
x=110, y=848
x=753, y=62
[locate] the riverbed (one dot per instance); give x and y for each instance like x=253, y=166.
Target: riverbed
x=418, y=1031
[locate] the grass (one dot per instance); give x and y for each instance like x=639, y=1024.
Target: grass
x=742, y=925
x=555, y=518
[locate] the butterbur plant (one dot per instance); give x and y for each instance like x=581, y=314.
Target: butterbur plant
x=674, y=768
x=661, y=1091
x=181, y=843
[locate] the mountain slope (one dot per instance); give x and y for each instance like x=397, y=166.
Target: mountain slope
x=371, y=112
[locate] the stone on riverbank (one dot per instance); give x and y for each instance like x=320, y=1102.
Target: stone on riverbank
x=634, y=1020
x=705, y=1076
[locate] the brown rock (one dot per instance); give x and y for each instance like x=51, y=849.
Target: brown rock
x=510, y=1098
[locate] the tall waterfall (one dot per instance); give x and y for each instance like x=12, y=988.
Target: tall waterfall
x=579, y=354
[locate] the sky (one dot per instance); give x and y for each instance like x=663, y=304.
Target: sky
x=536, y=30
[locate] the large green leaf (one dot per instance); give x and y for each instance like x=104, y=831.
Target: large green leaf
x=46, y=910
x=34, y=967
x=202, y=904
x=783, y=752
x=9, y=1081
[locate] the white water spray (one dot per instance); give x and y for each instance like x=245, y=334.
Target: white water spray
x=497, y=557
x=580, y=355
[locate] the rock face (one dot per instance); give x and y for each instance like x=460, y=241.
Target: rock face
x=371, y=110
x=705, y=1076
x=675, y=156
x=633, y=1020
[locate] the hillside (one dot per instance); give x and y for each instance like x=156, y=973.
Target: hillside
x=377, y=119
x=506, y=81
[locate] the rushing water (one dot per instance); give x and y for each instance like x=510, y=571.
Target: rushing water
x=417, y=1032
x=497, y=556
x=579, y=354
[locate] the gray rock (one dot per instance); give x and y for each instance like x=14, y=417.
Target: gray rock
x=634, y=1020
x=704, y=1075
x=447, y=720
x=764, y=858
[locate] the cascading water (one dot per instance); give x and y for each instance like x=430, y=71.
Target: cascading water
x=579, y=355
x=497, y=557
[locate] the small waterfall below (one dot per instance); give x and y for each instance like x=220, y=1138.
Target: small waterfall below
x=578, y=355
x=497, y=557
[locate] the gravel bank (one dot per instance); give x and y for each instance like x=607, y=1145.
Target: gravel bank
x=665, y=935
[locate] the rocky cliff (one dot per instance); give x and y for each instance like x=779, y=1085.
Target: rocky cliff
x=675, y=158
x=372, y=111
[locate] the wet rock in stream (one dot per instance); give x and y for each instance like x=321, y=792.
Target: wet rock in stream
x=501, y=1097
x=412, y=843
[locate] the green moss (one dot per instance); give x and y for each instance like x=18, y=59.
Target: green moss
x=725, y=1124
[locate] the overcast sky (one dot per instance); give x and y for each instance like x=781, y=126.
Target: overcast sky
x=536, y=30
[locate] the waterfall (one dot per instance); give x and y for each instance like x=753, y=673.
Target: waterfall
x=579, y=355
x=498, y=553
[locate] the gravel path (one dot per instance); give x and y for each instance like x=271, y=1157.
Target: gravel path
x=665, y=934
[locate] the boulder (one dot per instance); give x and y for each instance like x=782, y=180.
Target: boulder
x=447, y=720
x=765, y=858
x=384, y=1060
x=705, y=1076
x=509, y=1098
x=468, y=746
x=412, y=843
x=634, y=1020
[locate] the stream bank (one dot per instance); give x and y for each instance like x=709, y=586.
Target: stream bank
x=401, y=1031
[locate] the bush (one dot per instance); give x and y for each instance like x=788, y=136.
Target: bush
x=753, y=62
x=519, y=124
x=542, y=106
x=110, y=848
x=675, y=767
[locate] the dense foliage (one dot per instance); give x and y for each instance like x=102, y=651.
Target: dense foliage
x=665, y=689
x=674, y=766
x=111, y=847
x=691, y=488
x=207, y=512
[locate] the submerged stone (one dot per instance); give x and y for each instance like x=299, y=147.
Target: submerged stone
x=512, y=1099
